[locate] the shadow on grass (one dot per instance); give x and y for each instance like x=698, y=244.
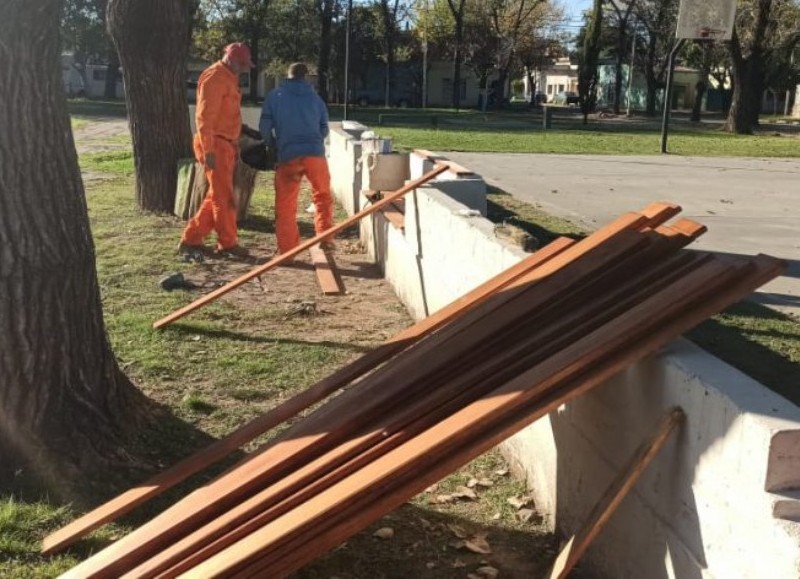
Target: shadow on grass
x=258, y=223
x=239, y=337
x=746, y=336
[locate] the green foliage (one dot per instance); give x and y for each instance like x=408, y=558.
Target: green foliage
x=83, y=29
x=589, y=56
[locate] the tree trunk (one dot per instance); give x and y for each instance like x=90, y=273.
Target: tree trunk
x=112, y=72
x=255, y=72
x=746, y=101
x=324, y=60
x=153, y=53
x=650, y=75
x=457, y=62
x=587, y=69
x=748, y=73
x=65, y=406
x=618, y=69
x=700, y=91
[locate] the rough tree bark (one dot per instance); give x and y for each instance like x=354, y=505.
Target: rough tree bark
x=747, y=65
x=152, y=43
x=65, y=406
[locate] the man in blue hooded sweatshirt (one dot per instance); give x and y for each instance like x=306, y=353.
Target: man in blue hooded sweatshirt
x=296, y=117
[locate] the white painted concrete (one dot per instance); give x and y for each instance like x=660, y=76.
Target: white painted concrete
x=720, y=501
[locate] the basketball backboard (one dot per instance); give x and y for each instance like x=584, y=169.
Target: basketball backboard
x=706, y=19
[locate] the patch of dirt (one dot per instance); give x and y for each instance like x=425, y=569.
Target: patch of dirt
x=443, y=535
x=367, y=310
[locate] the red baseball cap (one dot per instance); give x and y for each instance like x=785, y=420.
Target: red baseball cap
x=239, y=52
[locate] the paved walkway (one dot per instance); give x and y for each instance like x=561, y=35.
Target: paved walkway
x=749, y=205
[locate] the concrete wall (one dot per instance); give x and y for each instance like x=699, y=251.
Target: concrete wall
x=720, y=501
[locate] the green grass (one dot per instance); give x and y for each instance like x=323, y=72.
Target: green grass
x=118, y=162
x=520, y=131
x=89, y=108
x=760, y=342
x=78, y=122
x=591, y=142
x=21, y=524
x=204, y=352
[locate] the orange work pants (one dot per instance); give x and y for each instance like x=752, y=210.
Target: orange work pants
x=218, y=210
x=287, y=186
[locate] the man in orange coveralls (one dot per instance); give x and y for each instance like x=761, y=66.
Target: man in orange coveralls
x=219, y=121
x=298, y=118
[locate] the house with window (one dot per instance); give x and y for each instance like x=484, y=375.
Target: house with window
x=560, y=76
x=440, y=85
x=85, y=79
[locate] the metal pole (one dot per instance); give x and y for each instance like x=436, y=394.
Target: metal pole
x=631, y=69
x=668, y=93
x=347, y=58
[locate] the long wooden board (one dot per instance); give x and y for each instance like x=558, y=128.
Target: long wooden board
x=127, y=501
x=635, y=221
x=405, y=422
x=437, y=465
x=217, y=293
x=330, y=282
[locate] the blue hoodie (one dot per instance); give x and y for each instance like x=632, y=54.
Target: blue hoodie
x=297, y=118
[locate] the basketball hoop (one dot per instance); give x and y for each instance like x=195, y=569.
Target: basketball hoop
x=706, y=19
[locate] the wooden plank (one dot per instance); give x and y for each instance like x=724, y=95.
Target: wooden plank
x=538, y=253
x=187, y=512
x=394, y=212
x=432, y=466
x=127, y=501
x=611, y=499
x=589, y=244
x=330, y=282
x=447, y=435
x=314, y=433
x=329, y=233
x=452, y=166
x=394, y=216
x=405, y=422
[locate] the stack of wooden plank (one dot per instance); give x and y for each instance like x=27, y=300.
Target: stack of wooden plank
x=547, y=330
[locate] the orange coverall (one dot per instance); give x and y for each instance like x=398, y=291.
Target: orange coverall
x=219, y=121
x=287, y=187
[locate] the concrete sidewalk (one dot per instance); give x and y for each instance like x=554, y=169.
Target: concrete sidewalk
x=749, y=205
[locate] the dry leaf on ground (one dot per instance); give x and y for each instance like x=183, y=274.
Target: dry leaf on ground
x=384, y=533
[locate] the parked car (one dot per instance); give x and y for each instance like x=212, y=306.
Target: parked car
x=401, y=97
x=566, y=98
